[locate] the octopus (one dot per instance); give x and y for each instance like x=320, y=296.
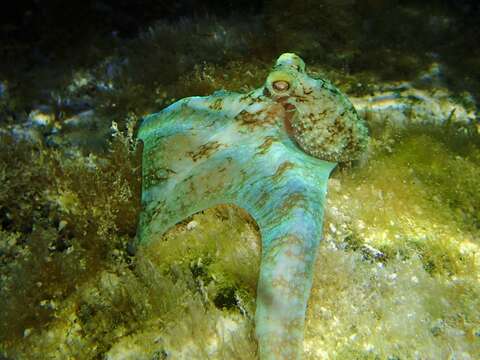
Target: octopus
x=269, y=152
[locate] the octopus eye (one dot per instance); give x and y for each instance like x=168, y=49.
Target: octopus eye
x=281, y=85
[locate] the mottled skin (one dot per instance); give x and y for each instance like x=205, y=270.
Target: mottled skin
x=266, y=152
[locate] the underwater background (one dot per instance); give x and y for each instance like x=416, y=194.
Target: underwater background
x=397, y=274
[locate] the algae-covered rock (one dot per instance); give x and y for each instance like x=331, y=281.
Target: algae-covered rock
x=403, y=105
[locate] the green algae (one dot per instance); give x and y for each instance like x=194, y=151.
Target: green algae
x=365, y=310
x=69, y=214
x=223, y=261
x=424, y=208
x=412, y=203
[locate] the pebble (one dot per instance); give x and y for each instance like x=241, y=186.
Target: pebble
x=377, y=254
x=192, y=225
x=43, y=116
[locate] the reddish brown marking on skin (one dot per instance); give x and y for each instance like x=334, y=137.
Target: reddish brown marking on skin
x=282, y=168
x=302, y=99
x=273, y=113
x=248, y=119
x=300, y=256
x=280, y=243
x=262, y=118
x=295, y=199
x=205, y=150
x=217, y=104
x=287, y=118
x=338, y=126
x=320, y=116
x=265, y=146
x=287, y=121
x=307, y=92
x=262, y=200
x=159, y=208
x=153, y=176
x=289, y=289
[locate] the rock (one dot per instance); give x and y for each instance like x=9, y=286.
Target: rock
x=24, y=133
x=43, y=116
x=192, y=225
x=404, y=105
x=85, y=130
x=370, y=251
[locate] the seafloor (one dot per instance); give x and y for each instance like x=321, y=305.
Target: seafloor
x=398, y=273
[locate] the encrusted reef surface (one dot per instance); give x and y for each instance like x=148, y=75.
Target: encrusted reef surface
x=397, y=275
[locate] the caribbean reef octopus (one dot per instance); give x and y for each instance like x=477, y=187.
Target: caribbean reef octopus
x=270, y=152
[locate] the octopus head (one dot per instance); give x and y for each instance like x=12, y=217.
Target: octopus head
x=318, y=117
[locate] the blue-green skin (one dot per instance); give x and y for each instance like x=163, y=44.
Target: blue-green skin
x=252, y=150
